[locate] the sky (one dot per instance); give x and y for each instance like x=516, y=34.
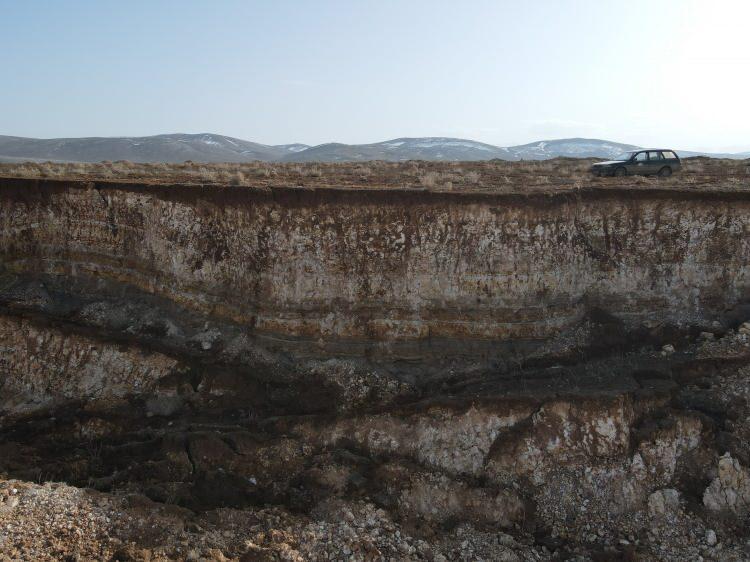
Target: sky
x=659, y=72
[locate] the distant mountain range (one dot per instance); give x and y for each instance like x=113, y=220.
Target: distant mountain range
x=209, y=147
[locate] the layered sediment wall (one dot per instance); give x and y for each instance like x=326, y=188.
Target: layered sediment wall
x=338, y=265
x=318, y=374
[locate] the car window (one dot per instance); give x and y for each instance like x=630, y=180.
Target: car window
x=655, y=156
x=640, y=157
x=669, y=155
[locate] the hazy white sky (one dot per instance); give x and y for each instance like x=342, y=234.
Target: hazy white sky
x=656, y=72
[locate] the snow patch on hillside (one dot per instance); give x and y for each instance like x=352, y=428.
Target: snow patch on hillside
x=443, y=143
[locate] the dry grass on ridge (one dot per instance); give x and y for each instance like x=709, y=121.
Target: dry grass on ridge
x=495, y=175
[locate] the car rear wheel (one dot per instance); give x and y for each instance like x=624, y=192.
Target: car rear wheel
x=619, y=172
x=665, y=172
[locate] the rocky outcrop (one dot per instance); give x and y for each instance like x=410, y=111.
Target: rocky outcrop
x=45, y=368
x=730, y=490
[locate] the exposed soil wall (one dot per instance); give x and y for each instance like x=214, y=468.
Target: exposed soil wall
x=389, y=265
x=331, y=374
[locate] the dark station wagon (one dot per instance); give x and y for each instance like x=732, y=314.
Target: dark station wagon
x=646, y=162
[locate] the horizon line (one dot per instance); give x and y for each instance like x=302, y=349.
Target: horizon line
x=114, y=137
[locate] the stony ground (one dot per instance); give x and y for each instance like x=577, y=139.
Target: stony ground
x=55, y=521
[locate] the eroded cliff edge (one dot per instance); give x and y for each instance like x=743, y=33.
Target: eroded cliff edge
x=391, y=266
x=305, y=372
